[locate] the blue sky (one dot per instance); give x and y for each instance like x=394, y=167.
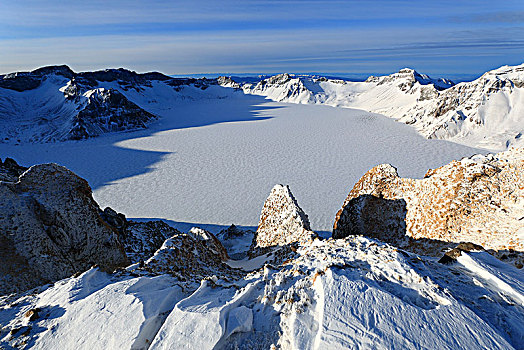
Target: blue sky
x=446, y=38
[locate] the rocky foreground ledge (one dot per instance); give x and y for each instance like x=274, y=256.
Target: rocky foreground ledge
x=478, y=199
x=281, y=287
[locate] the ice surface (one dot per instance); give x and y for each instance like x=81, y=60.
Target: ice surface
x=215, y=160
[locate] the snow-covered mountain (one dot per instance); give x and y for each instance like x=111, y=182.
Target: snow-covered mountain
x=56, y=104
x=487, y=112
x=293, y=289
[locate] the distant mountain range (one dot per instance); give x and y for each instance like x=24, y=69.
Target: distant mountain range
x=56, y=104
x=487, y=112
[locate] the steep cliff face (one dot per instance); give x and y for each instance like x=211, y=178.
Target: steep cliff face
x=478, y=199
x=50, y=228
x=486, y=112
x=107, y=110
x=282, y=221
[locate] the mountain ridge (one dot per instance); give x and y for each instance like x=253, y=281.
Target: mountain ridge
x=485, y=113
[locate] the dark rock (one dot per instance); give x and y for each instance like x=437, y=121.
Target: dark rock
x=10, y=170
x=142, y=239
x=33, y=314
x=114, y=219
x=50, y=228
x=452, y=255
x=108, y=110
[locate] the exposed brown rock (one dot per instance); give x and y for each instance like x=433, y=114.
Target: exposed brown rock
x=188, y=258
x=282, y=221
x=33, y=314
x=210, y=241
x=452, y=255
x=479, y=200
x=50, y=228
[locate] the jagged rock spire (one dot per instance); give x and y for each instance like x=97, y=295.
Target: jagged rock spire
x=282, y=221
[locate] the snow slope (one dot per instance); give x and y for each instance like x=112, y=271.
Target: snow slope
x=336, y=294
x=487, y=112
x=56, y=104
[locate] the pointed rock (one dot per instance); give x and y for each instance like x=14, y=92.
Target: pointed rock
x=282, y=220
x=210, y=241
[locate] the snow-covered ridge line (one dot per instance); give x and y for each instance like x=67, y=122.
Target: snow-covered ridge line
x=56, y=104
x=486, y=113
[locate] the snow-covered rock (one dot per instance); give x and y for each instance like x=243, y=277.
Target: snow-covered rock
x=346, y=293
x=142, y=239
x=188, y=258
x=478, y=199
x=210, y=241
x=282, y=221
x=50, y=228
x=56, y=104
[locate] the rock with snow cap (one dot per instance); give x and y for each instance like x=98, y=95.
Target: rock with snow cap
x=210, y=241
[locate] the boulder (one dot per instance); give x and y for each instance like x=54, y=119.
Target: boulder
x=478, y=199
x=210, y=241
x=189, y=258
x=50, y=228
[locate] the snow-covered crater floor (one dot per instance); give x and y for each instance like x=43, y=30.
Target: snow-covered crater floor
x=214, y=161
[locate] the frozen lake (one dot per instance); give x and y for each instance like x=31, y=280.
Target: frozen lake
x=214, y=161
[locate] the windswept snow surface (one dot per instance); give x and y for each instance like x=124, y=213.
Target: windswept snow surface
x=353, y=293
x=214, y=155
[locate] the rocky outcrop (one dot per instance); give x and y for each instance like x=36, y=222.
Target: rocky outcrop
x=210, y=241
x=227, y=82
x=10, y=170
x=282, y=87
x=142, y=239
x=478, y=199
x=189, y=258
x=282, y=221
x=50, y=228
x=237, y=241
x=407, y=78
x=105, y=111
x=22, y=81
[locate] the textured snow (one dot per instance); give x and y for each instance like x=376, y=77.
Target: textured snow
x=214, y=157
x=96, y=310
x=331, y=294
